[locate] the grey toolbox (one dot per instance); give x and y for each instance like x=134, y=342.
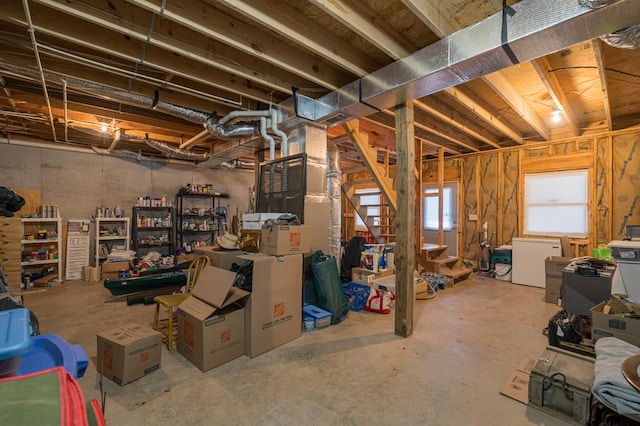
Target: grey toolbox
x=560, y=384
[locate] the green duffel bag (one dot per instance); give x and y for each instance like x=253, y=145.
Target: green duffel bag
x=326, y=280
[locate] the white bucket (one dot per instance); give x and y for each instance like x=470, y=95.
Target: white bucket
x=502, y=272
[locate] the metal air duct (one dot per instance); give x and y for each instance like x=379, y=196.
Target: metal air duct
x=534, y=29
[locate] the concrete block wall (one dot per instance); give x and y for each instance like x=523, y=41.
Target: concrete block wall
x=79, y=182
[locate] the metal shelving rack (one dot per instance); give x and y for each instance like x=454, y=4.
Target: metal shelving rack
x=152, y=229
x=191, y=226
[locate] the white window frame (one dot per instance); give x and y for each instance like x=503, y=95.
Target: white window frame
x=371, y=211
x=431, y=203
x=548, y=202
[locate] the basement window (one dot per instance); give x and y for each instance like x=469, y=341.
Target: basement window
x=370, y=200
x=430, y=203
x=556, y=203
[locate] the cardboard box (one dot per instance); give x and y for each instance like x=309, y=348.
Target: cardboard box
x=110, y=269
x=281, y=240
x=220, y=258
x=127, y=353
x=517, y=385
x=365, y=276
x=274, y=310
x=211, y=322
x=553, y=266
x=612, y=325
x=256, y=220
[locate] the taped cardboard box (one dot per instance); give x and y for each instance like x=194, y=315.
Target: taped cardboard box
x=553, y=267
x=274, y=311
x=220, y=258
x=281, y=240
x=211, y=322
x=128, y=353
x=365, y=276
x=608, y=320
x=110, y=270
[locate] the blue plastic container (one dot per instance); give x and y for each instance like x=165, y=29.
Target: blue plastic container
x=14, y=339
x=321, y=317
x=356, y=295
x=48, y=351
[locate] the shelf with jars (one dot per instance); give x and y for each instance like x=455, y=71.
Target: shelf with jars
x=41, y=253
x=152, y=229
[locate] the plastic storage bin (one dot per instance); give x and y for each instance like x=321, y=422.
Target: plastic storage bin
x=321, y=317
x=356, y=295
x=15, y=337
x=48, y=351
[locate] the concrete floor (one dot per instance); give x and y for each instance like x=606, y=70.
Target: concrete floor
x=466, y=342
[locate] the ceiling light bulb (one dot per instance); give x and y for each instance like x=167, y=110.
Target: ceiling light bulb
x=556, y=115
x=104, y=127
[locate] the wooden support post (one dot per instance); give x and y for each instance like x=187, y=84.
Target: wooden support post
x=440, y=196
x=405, y=219
x=419, y=200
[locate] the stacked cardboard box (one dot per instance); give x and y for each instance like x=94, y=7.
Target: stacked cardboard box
x=211, y=322
x=553, y=274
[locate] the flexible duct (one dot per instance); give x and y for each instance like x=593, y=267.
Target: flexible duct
x=626, y=38
x=334, y=193
x=238, y=164
x=170, y=151
x=222, y=131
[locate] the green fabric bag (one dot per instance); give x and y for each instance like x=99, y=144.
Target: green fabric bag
x=326, y=280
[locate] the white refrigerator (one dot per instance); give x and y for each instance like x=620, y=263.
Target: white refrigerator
x=528, y=256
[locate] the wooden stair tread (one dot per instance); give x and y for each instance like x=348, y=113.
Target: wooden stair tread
x=457, y=273
x=445, y=260
x=433, y=247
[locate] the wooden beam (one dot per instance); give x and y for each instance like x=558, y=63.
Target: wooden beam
x=444, y=112
x=162, y=41
x=246, y=38
x=433, y=16
x=604, y=85
x=368, y=25
x=484, y=112
x=405, y=221
x=289, y=23
x=554, y=87
x=510, y=95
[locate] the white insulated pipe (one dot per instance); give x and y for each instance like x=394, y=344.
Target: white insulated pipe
x=267, y=137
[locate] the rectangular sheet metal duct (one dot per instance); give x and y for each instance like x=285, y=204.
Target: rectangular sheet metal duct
x=534, y=28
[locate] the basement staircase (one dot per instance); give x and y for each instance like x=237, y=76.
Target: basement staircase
x=381, y=226
x=436, y=258
x=432, y=258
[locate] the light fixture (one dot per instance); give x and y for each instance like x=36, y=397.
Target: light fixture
x=104, y=125
x=556, y=115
